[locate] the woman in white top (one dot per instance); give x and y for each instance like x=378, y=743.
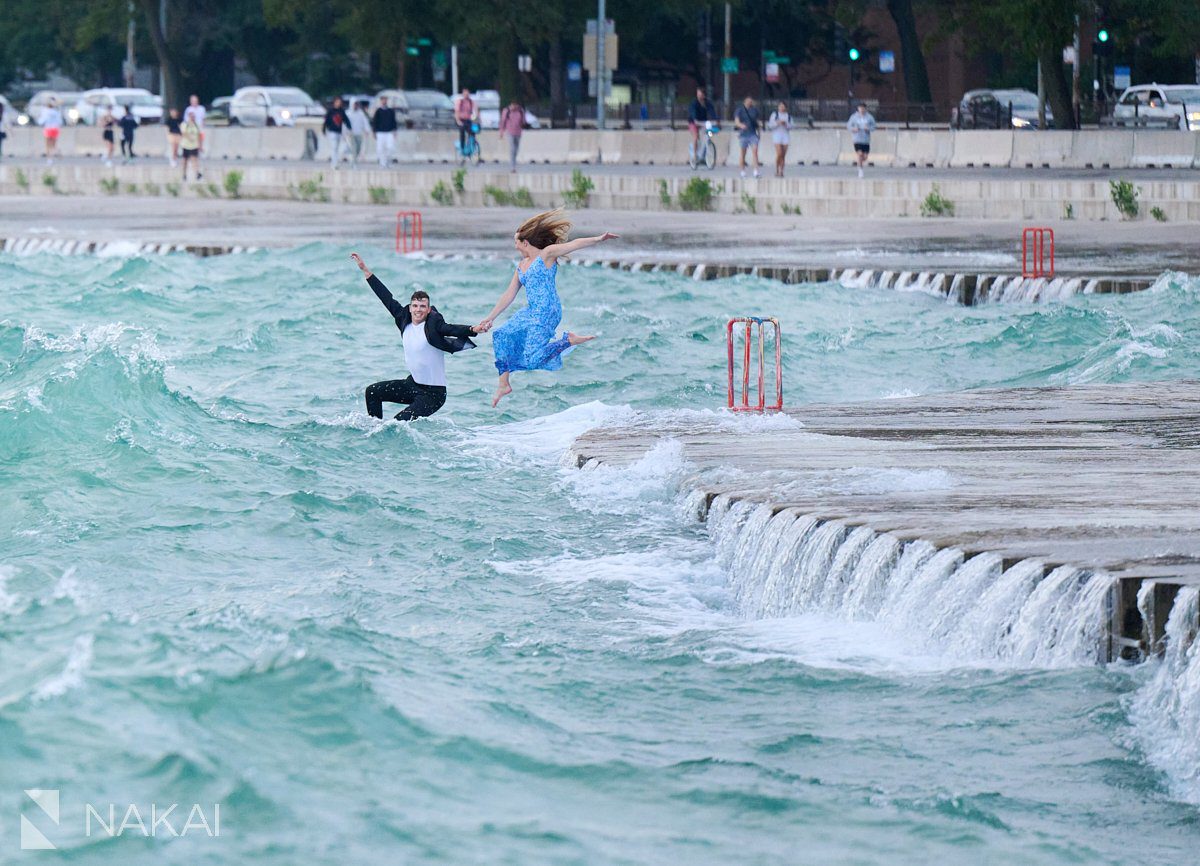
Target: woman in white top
x=780, y=124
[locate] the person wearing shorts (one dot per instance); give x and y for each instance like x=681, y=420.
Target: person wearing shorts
x=107, y=124
x=780, y=124
x=189, y=137
x=746, y=121
x=861, y=124
x=174, y=135
x=51, y=121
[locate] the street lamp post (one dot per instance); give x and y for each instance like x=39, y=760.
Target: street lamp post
x=601, y=70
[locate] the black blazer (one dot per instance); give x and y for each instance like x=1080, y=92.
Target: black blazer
x=440, y=333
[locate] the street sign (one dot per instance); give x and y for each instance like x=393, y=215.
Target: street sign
x=1121, y=77
x=611, y=41
x=729, y=64
x=574, y=71
x=1069, y=55
x=772, y=70
x=887, y=61
x=524, y=63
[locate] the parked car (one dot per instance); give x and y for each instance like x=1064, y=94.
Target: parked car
x=66, y=100
x=487, y=102
x=1179, y=103
x=92, y=104
x=218, y=112
x=272, y=106
x=989, y=109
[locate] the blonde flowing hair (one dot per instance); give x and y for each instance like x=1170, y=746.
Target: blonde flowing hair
x=550, y=227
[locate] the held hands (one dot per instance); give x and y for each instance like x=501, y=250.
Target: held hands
x=482, y=327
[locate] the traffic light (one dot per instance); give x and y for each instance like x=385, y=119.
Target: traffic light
x=839, y=43
x=854, y=55
x=1102, y=35
x=1102, y=47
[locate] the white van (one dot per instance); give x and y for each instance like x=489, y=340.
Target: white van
x=92, y=104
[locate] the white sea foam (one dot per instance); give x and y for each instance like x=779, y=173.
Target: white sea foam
x=71, y=677
x=547, y=438
x=8, y=601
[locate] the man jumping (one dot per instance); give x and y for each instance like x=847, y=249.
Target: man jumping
x=426, y=336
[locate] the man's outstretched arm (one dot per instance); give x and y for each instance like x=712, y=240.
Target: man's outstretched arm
x=381, y=291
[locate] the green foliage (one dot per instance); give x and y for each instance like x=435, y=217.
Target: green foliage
x=131, y=188
x=50, y=181
x=936, y=204
x=233, y=183
x=310, y=190
x=1159, y=214
x=664, y=194
x=1068, y=211
x=520, y=197
x=172, y=190
x=151, y=189
x=441, y=193
x=749, y=203
x=379, y=194
x=459, y=178
x=110, y=185
x=22, y=179
x=581, y=188
x=213, y=190
x=789, y=209
x=698, y=194
x=1125, y=197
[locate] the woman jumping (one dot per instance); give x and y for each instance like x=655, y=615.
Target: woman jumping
x=527, y=341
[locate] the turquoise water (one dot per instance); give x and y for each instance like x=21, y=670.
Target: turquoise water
x=377, y=643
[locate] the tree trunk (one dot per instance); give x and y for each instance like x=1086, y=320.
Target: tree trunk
x=506, y=62
x=916, y=77
x=401, y=57
x=1058, y=87
x=166, y=57
x=558, y=101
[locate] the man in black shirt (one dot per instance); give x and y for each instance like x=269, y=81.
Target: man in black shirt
x=699, y=111
x=383, y=123
x=335, y=123
x=128, y=124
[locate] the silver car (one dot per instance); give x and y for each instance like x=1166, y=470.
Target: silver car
x=66, y=100
x=92, y=104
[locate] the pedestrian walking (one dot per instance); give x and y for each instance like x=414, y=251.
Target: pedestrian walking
x=746, y=122
x=190, y=139
x=129, y=125
x=173, y=135
x=197, y=112
x=108, y=123
x=383, y=123
x=51, y=121
x=780, y=124
x=335, y=123
x=512, y=124
x=861, y=124
x=359, y=128
x=5, y=123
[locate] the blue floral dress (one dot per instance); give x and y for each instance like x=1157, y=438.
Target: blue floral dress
x=527, y=341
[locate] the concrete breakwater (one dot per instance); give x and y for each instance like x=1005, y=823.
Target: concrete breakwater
x=1038, y=521
x=925, y=148
x=800, y=196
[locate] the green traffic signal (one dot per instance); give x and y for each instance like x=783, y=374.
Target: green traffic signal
x=854, y=55
x=1102, y=35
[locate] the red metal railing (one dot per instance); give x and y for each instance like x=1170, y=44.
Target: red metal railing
x=750, y=322
x=1037, y=258
x=410, y=238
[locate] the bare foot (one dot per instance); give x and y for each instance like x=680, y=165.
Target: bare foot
x=502, y=391
x=575, y=339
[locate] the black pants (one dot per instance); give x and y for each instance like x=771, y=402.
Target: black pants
x=463, y=128
x=422, y=400
x=127, y=143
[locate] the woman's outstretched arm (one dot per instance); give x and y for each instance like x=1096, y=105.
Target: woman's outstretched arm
x=501, y=305
x=555, y=251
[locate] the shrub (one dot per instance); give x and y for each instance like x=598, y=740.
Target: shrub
x=150, y=188
x=1068, y=211
x=581, y=187
x=522, y=198
x=310, y=190
x=459, y=179
x=936, y=204
x=664, y=194
x=698, y=194
x=789, y=209
x=1125, y=197
x=749, y=202
x=50, y=181
x=173, y=190
x=1159, y=214
x=441, y=193
x=110, y=185
x=22, y=179
x=233, y=183
x=131, y=188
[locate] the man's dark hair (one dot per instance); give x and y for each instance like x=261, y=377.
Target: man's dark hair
x=420, y=295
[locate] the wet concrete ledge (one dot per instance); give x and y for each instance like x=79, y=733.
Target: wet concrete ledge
x=1099, y=477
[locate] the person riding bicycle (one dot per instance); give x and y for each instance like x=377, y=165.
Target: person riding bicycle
x=700, y=111
x=464, y=116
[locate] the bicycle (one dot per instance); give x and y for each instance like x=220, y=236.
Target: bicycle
x=708, y=148
x=471, y=151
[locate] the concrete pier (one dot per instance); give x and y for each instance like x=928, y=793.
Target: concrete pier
x=1099, y=477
